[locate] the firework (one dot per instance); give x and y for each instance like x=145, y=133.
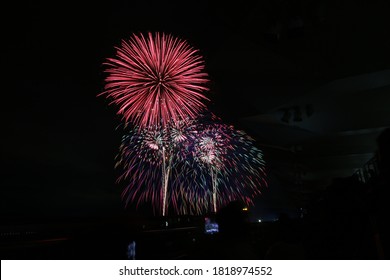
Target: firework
x=244, y=170
x=149, y=158
x=140, y=159
x=228, y=160
x=178, y=135
x=193, y=168
x=156, y=79
x=210, y=150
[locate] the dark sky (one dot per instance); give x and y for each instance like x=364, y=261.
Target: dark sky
x=59, y=140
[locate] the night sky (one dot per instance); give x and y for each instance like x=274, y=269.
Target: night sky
x=59, y=140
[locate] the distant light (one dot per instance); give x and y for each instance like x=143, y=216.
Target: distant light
x=245, y=209
x=259, y=220
x=211, y=227
x=131, y=250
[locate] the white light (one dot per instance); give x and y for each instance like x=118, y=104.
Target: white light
x=259, y=220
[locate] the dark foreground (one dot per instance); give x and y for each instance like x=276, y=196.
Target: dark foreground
x=185, y=238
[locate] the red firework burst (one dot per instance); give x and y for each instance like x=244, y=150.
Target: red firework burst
x=156, y=80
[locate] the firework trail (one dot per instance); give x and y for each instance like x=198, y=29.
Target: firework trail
x=210, y=149
x=149, y=156
x=228, y=160
x=155, y=80
x=206, y=165
x=178, y=134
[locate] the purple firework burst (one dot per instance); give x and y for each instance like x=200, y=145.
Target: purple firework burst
x=225, y=166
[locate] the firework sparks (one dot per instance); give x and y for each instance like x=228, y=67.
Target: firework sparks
x=228, y=160
x=193, y=168
x=156, y=79
x=210, y=150
x=149, y=158
x=140, y=158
